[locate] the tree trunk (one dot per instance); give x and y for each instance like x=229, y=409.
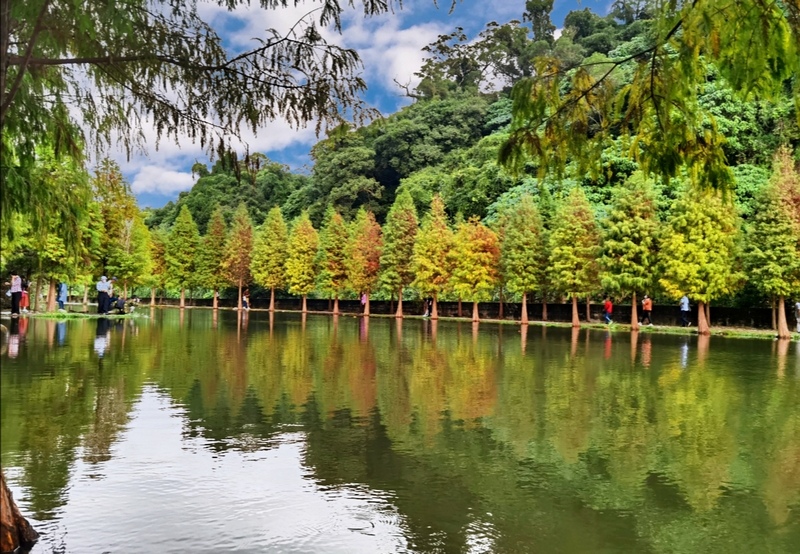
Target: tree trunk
x=588, y=309
x=500, y=314
x=576, y=321
x=634, y=313
x=183, y=298
x=435, y=309
x=304, y=310
x=399, y=312
x=272, y=299
x=773, y=312
x=366, y=307
x=524, y=318
x=783, y=326
x=708, y=312
x=152, y=297
x=459, y=306
x=336, y=304
x=51, y=296
x=475, y=317
x=702, y=321
x=15, y=531
x=215, y=301
x=86, y=295
x=35, y=304
x=544, y=306
x=239, y=301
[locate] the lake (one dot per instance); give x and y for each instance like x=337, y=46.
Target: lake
x=190, y=431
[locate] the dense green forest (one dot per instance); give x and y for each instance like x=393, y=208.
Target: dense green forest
x=645, y=151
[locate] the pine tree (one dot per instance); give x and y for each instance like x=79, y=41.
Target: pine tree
x=181, y=251
x=522, y=250
x=399, y=235
x=364, y=254
x=269, y=255
x=476, y=258
x=431, y=262
x=629, y=240
x=332, y=256
x=772, y=256
x=574, y=246
x=212, y=254
x=301, y=270
x=698, y=250
x=239, y=251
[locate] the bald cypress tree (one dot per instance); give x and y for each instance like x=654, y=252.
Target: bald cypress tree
x=629, y=241
x=475, y=260
x=332, y=256
x=181, y=253
x=522, y=251
x=269, y=254
x=301, y=255
x=399, y=235
x=431, y=260
x=364, y=254
x=574, y=247
x=212, y=254
x=698, y=250
x=239, y=251
x=772, y=254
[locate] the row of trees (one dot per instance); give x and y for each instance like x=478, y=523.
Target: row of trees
x=531, y=245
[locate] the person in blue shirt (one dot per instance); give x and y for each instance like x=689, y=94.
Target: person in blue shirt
x=685, y=312
x=62, y=296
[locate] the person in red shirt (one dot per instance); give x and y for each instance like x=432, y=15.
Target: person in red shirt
x=608, y=307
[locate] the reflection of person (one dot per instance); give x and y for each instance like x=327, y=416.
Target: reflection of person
x=102, y=295
x=16, y=294
x=13, y=338
x=62, y=296
x=61, y=332
x=647, y=309
x=101, y=336
x=684, y=304
x=608, y=307
x=684, y=353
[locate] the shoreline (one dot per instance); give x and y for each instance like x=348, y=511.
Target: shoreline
x=730, y=332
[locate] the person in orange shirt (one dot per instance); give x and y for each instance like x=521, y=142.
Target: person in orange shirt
x=647, y=309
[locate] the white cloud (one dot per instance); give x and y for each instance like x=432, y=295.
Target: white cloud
x=155, y=179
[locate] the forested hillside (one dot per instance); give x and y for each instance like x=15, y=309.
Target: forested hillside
x=447, y=141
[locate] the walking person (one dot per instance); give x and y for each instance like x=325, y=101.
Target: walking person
x=16, y=293
x=62, y=296
x=797, y=314
x=363, y=302
x=246, y=299
x=608, y=307
x=428, y=306
x=25, y=299
x=102, y=295
x=684, y=304
x=647, y=310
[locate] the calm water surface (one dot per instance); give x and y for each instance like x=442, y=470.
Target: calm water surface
x=200, y=433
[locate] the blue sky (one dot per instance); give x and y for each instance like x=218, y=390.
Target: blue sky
x=390, y=47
